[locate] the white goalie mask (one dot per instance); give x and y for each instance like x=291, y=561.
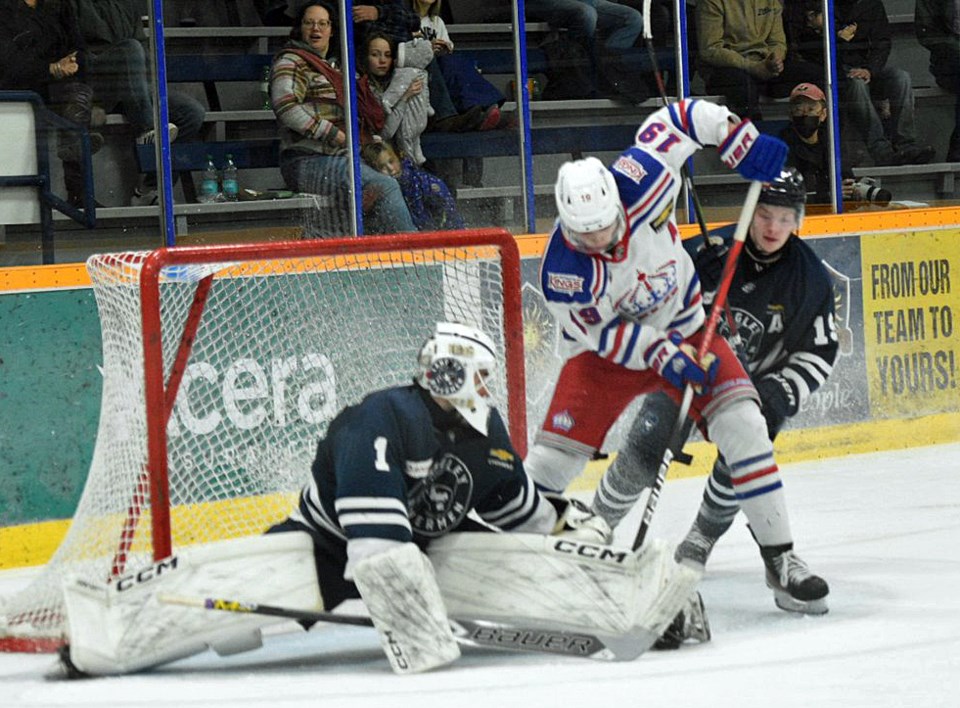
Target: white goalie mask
x=588, y=202
x=455, y=365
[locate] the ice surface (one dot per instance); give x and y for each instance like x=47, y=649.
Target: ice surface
x=883, y=529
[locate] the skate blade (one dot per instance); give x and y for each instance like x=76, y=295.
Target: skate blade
x=785, y=601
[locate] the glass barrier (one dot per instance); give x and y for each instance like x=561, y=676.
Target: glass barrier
x=258, y=117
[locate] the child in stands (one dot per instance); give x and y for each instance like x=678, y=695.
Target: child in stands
x=403, y=92
x=431, y=205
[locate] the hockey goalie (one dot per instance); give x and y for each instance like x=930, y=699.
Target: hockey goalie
x=384, y=518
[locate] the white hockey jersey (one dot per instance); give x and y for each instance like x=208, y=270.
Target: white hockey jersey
x=618, y=304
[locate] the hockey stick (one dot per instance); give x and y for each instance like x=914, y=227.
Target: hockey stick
x=661, y=87
x=681, y=427
x=485, y=634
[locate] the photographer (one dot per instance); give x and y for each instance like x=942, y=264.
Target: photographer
x=808, y=141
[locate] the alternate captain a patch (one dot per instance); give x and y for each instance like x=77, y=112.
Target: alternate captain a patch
x=443, y=503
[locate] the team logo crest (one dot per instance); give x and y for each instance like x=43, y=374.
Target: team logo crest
x=750, y=331
x=650, y=292
x=442, y=503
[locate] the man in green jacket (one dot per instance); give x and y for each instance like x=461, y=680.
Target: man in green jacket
x=743, y=53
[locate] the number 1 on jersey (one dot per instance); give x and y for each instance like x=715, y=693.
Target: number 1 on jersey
x=380, y=446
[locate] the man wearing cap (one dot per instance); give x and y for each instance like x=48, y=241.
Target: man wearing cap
x=809, y=144
x=863, y=45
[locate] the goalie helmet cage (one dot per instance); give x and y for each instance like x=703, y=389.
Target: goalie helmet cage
x=222, y=366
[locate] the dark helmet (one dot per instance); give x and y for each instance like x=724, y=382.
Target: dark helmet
x=786, y=190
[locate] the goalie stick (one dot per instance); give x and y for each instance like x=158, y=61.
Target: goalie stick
x=681, y=426
x=485, y=634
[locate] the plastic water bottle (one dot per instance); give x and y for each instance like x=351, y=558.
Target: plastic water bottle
x=231, y=185
x=265, y=88
x=210, y=183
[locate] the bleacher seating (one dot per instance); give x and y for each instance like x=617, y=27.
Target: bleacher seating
x=222, y=59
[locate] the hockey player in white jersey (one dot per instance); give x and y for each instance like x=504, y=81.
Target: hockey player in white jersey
x=627, y=297
x=781, y=319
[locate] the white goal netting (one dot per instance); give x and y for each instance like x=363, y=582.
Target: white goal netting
x=262, y=345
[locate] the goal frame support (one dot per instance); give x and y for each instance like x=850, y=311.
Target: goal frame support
x=160, y=394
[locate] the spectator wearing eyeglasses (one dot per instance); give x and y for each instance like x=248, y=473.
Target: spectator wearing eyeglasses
x=306, y=93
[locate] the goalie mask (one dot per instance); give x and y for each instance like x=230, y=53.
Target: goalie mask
x=455, y=365
x=588, y=202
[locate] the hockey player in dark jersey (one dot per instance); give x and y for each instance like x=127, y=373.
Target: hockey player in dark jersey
x=781, y=308
x=406, y=465
x=393, y=477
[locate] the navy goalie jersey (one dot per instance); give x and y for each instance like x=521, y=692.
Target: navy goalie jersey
x=396, y=466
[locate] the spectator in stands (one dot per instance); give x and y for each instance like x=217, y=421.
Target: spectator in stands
x=401, y=23
x=606, y=31
x=863, y=47
x=428, y=198
x=937, y=23
x=306, y=92
x=809, y=144
x=743, y=53
x=117, y=70
x=41, y=50
x=402, y=92
x=465, y=84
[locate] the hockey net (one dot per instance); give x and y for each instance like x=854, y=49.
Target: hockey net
x=223, y=365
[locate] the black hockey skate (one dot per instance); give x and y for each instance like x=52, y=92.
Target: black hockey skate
x=795, y=588
x=690, y=623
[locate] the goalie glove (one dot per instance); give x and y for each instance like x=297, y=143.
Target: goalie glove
x=751, y=153
x=576, y=521
x=676, y=361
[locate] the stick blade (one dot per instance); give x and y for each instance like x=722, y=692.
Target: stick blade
x=513, y=636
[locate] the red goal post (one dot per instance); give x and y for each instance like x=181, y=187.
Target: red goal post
x=222, y=366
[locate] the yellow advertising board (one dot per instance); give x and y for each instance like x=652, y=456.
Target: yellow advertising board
x=911, y=297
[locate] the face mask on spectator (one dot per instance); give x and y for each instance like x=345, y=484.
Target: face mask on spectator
x=805, y=126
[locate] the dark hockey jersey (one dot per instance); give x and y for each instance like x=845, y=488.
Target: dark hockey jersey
x=784, y=318
x=397, y=466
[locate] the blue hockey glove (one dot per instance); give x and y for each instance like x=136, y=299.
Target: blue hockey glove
x=751, y=153
x=676, y=361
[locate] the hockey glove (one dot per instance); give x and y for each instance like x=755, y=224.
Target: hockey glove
x=751, y=153
x=676, y=361
x=775, y=395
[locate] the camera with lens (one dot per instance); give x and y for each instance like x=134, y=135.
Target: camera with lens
x=868, y=189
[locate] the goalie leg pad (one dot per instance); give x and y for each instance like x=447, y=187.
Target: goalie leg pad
x=677, y=583
x=400, y=590
x=551, y=581
x=122, y=626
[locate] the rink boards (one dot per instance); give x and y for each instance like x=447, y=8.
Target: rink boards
x=894, y=385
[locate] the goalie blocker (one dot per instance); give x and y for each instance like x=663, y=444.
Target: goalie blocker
x=628, y=599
